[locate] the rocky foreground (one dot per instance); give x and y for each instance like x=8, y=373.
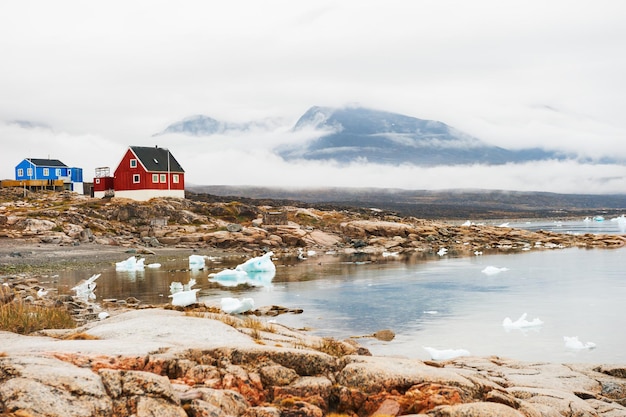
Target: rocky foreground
x=199, y=362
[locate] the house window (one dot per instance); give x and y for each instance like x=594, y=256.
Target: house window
x=163, y=178
x=69, y=172
x=58, y=172
x=136, y=179
x=155, y=178
x=133, y=163
x=20, y=172
x=46, y=172
x=175, y=178
x=29, y=172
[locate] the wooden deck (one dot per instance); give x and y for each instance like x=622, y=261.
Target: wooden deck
x=34, y=185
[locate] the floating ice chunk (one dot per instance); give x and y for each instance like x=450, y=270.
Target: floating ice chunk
x=431, y=312
x=390, y=254
x=505, y=224
x=233, y=277
x=445, y=354
x=478, y=252
x=130, y=264
x=574, y=343
x=183, y=295
x=184, y=298
x=231, y=305
x=258, y=264
x=196, y=261
x=467, y=223
x=521, y=323
x=442, y=251
x=493, y=270
x=85, y=288
x=154, y=265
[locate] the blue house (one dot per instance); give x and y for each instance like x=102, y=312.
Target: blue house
x=33, y=169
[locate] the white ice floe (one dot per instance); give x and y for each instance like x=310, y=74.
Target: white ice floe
x=575, y=344
x=467, y=223
x=258, y=272
x=521, y=323
x=154, y=265
x=231, y=305
x=442, y=251
x=477, y=253
x=261, y=263
x=505, y=224
x=183, y=295
x=196, y=261
x=85, y=288
x=131, y=264
x=233, y=277
x=445, y=354
x=390, y=254
x=493, y=270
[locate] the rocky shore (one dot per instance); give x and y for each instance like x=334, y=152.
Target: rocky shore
x=160, y=361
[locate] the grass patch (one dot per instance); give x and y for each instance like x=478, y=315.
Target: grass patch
x=23, y=318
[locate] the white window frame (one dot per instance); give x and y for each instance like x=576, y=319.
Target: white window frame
x=136, y=178
x=155, y=178
x=58, y=172
x=29, y=172
x=163, y=178
x=46, y=172
x=20, y=172
x=175, y=178
x=133, y=163
x=69, y=172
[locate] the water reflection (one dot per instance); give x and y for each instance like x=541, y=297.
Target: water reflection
x=444, y=303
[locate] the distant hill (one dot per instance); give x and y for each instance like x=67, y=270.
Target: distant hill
x=361, y=134
x=440, y=204
x=200, y=125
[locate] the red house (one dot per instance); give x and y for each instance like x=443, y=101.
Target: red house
x=143, y=173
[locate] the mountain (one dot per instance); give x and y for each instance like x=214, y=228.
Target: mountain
x=361, y=134
x=353, y=134
x=200, y=125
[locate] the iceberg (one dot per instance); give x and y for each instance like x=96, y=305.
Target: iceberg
x=231, y=305
x=445, y=354
x=442, y=251
x=183, y=295
x=261, y=263
x=131, y=264
x=575, y=344
x=85, y=288
x=521, y=323
x=493, y=270
x=196, y=261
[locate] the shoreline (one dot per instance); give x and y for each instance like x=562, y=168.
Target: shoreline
x=197, y=361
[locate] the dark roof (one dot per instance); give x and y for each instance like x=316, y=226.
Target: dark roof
x=46, y=162
x=156, y=159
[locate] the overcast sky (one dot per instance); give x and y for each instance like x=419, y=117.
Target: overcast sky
x=99, y=76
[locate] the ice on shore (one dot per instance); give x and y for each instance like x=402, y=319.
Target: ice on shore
x=232, y=305
x=445, y=354
x=575, y=344
x=154, y=265
x=521, y=323
x=196, y=261
x=131, y=264
x=183, y=295
x=442, y=251
x=493, y=270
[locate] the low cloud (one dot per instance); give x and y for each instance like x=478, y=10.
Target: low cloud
x=249, y=159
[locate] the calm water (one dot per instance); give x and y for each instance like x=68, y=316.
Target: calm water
x=441, y=302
